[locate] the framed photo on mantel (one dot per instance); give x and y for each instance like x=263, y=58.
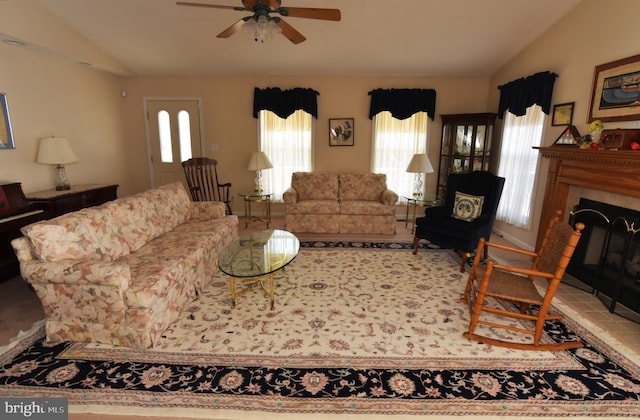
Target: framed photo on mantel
x=569, y=137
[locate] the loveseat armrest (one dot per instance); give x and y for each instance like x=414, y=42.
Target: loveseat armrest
x=205, y=210
x=389, y=197
x=290, y=196
x=77, y=272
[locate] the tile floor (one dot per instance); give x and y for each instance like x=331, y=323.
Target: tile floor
x=19, y=307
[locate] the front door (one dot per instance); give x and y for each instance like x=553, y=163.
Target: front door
x=173, y=135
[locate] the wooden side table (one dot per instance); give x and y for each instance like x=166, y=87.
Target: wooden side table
x=256, y=197
x=413, y=202
x=78, y=197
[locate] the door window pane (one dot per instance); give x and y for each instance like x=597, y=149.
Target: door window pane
x=184, y=131
x=164, y=128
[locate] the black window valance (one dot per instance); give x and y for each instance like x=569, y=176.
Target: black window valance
x=520, y=94
x=403, y=103
x=285, y=102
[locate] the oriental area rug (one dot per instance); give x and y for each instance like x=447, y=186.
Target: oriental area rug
x=359, y=329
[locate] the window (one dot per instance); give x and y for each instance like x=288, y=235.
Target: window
x=518, y=165
x=395, y=142
x=288, y=145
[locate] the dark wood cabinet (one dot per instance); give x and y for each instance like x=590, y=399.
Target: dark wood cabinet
x=78, y=197
x=45, y=205
x=15, y=212
x=465, y=145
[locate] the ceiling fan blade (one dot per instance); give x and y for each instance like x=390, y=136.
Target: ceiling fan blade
x=290, y=32
x=231, y=29
x=311, y=13
x=212, y=6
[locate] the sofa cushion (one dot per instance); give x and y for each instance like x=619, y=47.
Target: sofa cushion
x=365, y=186
x=172, y=204
x=358, y=207
x=314, y=207
x=136, y=219
x=87, y=234
x=315, y=185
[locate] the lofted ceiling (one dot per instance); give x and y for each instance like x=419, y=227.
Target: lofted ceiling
x=430, y=38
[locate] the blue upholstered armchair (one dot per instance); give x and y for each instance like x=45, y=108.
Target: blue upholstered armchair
x=466, y=216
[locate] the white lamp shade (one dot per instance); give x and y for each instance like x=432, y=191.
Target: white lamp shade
x=420, y=164
x=55, y=151
x=259, y=160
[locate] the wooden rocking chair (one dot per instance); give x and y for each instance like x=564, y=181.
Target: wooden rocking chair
x=202, y=179
x=516, y=286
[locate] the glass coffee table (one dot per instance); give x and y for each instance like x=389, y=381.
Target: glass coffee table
x=252, y=260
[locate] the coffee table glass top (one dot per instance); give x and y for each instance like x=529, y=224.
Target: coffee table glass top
x=259, y=254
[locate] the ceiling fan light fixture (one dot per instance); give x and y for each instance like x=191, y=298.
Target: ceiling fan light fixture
x=261, y=28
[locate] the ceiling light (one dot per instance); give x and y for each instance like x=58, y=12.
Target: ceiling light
x=262, y=28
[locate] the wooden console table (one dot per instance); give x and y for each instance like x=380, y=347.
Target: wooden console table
x=78, y=197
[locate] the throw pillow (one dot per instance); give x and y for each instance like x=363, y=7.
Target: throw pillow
x=467, y=207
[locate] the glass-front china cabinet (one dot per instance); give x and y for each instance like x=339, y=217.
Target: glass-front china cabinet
x=465, y=145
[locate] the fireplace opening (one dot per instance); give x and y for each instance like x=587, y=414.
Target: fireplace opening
x=607, y=257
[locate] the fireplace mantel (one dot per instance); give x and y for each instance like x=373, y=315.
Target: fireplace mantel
x=616, y=171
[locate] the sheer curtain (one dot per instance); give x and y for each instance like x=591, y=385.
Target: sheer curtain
x=518, y=164
x=394, y=144
x=288, y=145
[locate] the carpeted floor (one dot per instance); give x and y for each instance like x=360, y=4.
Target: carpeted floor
x=359, y=329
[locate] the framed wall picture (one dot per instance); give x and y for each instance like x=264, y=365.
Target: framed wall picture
x=341, y=132
x=562, y=114
x=615, y=90
x=6, y=136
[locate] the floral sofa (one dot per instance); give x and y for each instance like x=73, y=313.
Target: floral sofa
x=320, y=202
x=121, y=273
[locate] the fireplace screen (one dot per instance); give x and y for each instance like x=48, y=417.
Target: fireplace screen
x=607, y=258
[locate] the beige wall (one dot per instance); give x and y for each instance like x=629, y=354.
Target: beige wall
x=227, y=105
x=595, y=32
x=48, y=96
x=49, y=93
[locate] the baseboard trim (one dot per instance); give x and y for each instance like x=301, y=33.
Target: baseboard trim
x=517, y=242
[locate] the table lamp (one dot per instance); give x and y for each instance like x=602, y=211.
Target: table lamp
x=419, y=165
x=258, y=162
x=57, y=151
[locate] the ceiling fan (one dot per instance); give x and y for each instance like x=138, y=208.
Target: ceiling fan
x=263, y=24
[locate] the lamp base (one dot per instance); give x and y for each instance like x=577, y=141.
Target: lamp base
x=62, y=182
x=258, y=181
x=417, y=185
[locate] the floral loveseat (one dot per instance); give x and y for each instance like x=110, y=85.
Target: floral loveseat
x=320, y=202
x=122, y=272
